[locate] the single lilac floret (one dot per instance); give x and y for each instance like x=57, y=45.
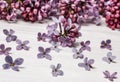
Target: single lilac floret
x=56, y=70
x=14, y=65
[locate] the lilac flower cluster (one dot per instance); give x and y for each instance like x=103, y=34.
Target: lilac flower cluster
x=63, y=31
x=78, y=11
x=102, y=5
x=111, y=11
x=29, y=10
x=113, y=14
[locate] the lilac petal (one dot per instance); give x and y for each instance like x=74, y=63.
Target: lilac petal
x=6, y=53
x=108, y=41
x=103, y=42
x=91, y=61
x=39, y=34
x=19, y=47
x=5, y=32
x=106, y=59
x=102, y=46
x=87, y=43
x=87, y=68
x=109, y=54
x=47, y=56
x=12, y=31
x=18, y=61
x=107, y=74
x=18, y=41
x=113, y=57
x=114, y=75
x=56, y=32
x=60, y=72
x=40, y=55
x=52, y=67
x=82, y=48
x=111, y=78
x=81, y=64
x=8, y=49
x=2, y=46
x=54, y=73
x=6, y=66
x=1, y=53
x=15, y=68
x=47, y=50
x=9, y=59
x=26, y=42
x=85, y=60
x=61, y=18
x=82, y=43
x=81, y=56
x=41, y=49
x=58, y=66
x=57, y=49
x=108, y=47
x=8, y=39
x=75, y=56
x=74, y=50
x=25, y=47
x=88, y=48
x=13, y=38
x=55, y=19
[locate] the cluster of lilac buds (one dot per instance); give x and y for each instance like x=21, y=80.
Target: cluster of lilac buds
x=3, y=6
x=113, y=14
x=80, y=11
x=29, y=10
x=102, y=5
x=36, y=10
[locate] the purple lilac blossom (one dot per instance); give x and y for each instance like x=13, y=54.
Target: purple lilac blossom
x=3, y=50
x=87, y=64
x=109, y=76
x=56, y=70
x=44, y=53
x=14, y=65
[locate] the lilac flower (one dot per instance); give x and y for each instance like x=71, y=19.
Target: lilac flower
x=65, y=41
x=41, y=37
x=55, y=46
x=87, y=64
x=106, y=44
x=44, y=53
x=10, y=37
x=52, y=29
x=56, y=70
x=12, y=17
x=77, y=54
x=3, y=4
x=22, y=45
x=4, y=50
x=109, y=59
x=109, y=76
x=12, y=64
x=85, y=46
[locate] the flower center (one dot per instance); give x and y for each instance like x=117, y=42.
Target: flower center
x=12, y=64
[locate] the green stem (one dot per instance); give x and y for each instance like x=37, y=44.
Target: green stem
x=60, y=28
